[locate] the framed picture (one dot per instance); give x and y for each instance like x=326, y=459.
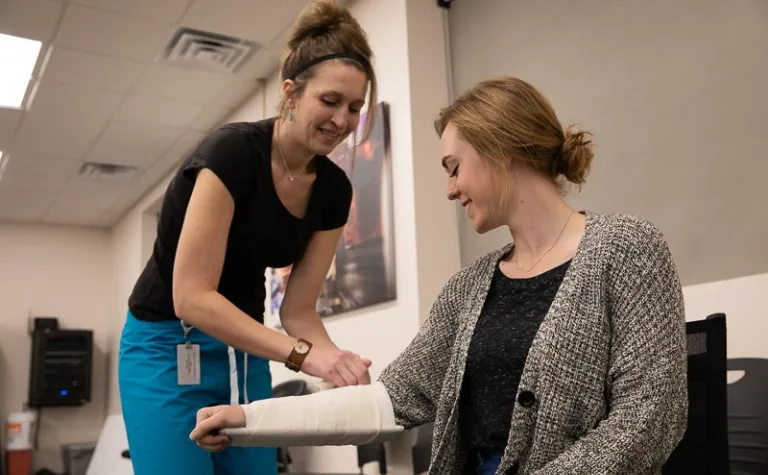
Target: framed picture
x=362, y=273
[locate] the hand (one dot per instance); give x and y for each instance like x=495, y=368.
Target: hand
x=210, y=420
x=342, y=368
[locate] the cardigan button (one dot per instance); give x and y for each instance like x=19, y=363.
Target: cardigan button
x=526, y=398
x=513, y=469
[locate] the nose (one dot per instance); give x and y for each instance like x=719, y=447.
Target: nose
x=453, y=192
x=340, y=119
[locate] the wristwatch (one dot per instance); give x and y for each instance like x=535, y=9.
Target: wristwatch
x=298, y=354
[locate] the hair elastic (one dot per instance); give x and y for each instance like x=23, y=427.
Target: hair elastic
x=349, y=55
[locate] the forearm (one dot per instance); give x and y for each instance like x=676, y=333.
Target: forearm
x=215, y=315
x=352, y=415
x=307, y=325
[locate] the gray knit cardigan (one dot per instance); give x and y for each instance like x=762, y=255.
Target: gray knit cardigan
x=604, y=387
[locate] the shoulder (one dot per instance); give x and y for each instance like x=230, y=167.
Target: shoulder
x=335, y=180
x=622, y=233
x=631, y=246
x=258, y=133
x=334, y=175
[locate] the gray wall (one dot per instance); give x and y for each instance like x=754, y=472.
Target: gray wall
x=675, y=93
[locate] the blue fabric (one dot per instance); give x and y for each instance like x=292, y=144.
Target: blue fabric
x=159, y=414
x=487, y=463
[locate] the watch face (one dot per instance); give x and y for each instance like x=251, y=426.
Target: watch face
x=302, y=347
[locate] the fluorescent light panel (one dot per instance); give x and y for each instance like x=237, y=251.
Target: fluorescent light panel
x=18, y=57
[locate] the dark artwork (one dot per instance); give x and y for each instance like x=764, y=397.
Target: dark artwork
x=363, y=270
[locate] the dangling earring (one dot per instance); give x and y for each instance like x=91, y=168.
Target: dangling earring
x=290, y=116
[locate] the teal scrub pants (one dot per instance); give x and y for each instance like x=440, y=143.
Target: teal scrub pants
x=159, y=413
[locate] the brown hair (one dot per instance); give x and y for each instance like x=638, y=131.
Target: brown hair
x=324, y=27
x=507, y=120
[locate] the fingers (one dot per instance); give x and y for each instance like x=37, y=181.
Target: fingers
x=208, y=422
x=351, y=370
x=214, y=443
x=359, y=369
x=346, y=374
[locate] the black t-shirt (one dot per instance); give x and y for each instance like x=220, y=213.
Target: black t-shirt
x=508, y=323
x=263, y=232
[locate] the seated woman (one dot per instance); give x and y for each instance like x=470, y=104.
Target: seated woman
x=562, y=353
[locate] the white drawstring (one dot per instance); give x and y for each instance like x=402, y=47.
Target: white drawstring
x=245, y=378
x=234, y=389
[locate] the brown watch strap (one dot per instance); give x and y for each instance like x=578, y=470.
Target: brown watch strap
x=298, y=355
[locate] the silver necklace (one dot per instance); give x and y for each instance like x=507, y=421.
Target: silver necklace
x=520, y=268
x=280, y=151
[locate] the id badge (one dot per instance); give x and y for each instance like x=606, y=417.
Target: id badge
x=188, y=364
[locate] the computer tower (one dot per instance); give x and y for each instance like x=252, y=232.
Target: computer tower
x=61, y=367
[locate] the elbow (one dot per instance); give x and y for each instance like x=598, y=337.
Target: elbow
x=186, y=303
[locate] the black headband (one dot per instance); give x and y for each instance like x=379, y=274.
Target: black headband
x=349, y=55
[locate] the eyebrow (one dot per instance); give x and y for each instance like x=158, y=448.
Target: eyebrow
x=338, y=95
x=445, y=159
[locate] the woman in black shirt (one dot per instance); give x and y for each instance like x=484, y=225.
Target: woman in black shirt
x=250, y=196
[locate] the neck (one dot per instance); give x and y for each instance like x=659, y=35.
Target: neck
x=538, y=219
x=285, y=147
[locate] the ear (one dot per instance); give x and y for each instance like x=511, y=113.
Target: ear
x=289, y=89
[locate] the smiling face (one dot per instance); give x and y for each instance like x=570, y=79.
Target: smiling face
x=471, y=181
x=327, y=110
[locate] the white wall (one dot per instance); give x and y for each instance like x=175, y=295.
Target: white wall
x=675, y=94
x=61, y=272
x=743, y=300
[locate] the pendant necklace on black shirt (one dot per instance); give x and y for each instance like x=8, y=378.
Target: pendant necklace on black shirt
x=280, y=151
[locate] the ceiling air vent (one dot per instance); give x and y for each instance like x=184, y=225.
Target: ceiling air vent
x=106, y=171
x=204, y=50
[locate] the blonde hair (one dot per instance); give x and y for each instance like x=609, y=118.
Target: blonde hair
x=322, y=28
x=508, y=121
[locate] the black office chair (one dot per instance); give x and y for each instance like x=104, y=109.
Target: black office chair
x=704, y=447
x=372, y=453
x=422, y=449
x=294, y=387
x=748, y=417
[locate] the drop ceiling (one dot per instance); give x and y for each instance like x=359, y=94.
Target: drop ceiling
x=102, y=91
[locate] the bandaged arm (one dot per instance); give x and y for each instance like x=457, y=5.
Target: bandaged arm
x=352, y=415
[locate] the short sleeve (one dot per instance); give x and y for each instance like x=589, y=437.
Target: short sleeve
x=226, y=153
x=336, y=209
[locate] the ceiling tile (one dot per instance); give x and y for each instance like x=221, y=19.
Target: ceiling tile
x=91, y=70
x=68, y=99
x=35, y=19
x=41, y=165
x=13, y=209
x=246, y=19
x=153, y=110
x=70, y=216
x=88, y=194
x=9, y=120
x=181, y=84
x=56, y=135
x=239, y=90
x=127, y=200
x=171, y=159
x=166, y=11
x=32, y=187
x=110, y=34
x=210, y=118
x=131, y=143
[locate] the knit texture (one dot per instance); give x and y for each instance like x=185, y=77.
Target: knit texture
x=607, y=368
x=512, y=313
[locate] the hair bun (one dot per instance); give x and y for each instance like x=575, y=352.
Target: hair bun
x=577, y=156
x=319, y=18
